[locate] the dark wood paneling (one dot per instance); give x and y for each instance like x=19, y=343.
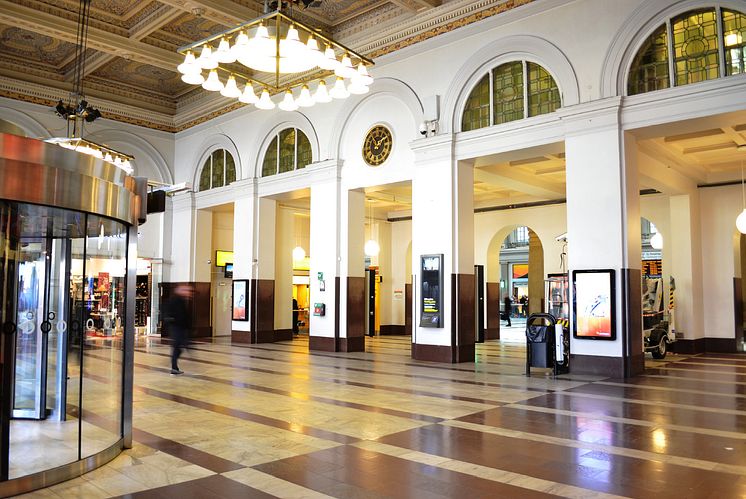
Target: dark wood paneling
x=689, y=346
x=408, y=309
x=462, y=317
x=283, y=334
x=737, y=309
x=354, y=344
x=355, y=308
x=240, y=336
x=721, y=345
x=336, y=310
x=322, y=343
x=198, y=303
x=492, y=331
x=263, y=310
x=432, y=353
x=393, y=329
x=634, y=362
x=597, y=365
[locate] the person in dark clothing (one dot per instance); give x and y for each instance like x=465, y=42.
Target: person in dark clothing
x=295, y=316
x=179, y=320
x=508, y=304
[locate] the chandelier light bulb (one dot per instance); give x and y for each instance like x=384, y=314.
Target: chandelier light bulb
x=127, y=166
x=288, y=103
x=322, y=94
x=372, y=248
x=241, y=45
x=741, y=222
x=305, y=99
x=291, y=46
x=108, y=158
x=345, y=68
x=248, y=96
x=213, y=83
x=299, y=253
x=231, y=89
x=264, y=101
x=223, y=54
x=312, y=49
x=656, y=241
x=206, y=60
x=189, y=65
x=362, y=77
x=329, y=60
x=193, y=78
x=340, y=90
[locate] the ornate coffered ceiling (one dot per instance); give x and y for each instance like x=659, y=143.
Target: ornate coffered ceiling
x=131, y=59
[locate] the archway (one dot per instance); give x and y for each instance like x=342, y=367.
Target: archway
x=654, y=306
x=515, y=269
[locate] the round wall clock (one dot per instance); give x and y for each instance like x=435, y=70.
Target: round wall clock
x=377, y=146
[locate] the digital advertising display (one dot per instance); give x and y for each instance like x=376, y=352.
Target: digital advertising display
x=240, y=299
x=431, y=290
x=593, y=304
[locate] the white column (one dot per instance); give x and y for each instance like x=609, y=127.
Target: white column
x=244, y=254
x=285, y=241
x=443, y=223
x=603, y=226
x=178, y=267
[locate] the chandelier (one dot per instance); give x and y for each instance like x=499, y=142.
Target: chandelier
x=275, y=54
x=77, y=111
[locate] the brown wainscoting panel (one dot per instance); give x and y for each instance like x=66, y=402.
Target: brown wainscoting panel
x=355, y=312
x=199, y=303
x=492, y=330
x=462, y=317
x=393, y=329
x=432, y=353
x=240, y=336
x=721, y=345
x=283, y=334
x=322, y=343
x=407, y=309
x=597, y=365
x=263, y=310
x=690, y=347
x=634, y=363
x=336, y=309
x=354, y=344
x=737, y=309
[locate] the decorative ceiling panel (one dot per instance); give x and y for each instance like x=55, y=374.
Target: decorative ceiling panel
x=137, y=75
x=30, y=47
x=189, y=28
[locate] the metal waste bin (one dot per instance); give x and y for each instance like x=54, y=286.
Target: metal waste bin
x=547, y=344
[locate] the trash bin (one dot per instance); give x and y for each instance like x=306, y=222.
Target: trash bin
x=547, y=344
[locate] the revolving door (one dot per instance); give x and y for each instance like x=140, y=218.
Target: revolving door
x=65, y=326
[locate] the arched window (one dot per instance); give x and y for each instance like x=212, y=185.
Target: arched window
x=219, y=170
x=509, y=92
x=289, y=150
x=687, y=49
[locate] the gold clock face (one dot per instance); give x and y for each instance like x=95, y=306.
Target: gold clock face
x=377, y=146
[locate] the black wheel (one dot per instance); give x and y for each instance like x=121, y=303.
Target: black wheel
x=662, y=350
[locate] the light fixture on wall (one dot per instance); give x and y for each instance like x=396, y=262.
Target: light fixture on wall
x=741, y=220
x=278, y=55
x=371, y=248
x=77, y=111
x=656, y=242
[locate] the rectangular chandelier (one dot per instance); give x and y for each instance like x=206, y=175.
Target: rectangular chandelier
x=99, y=151
x=277, y=54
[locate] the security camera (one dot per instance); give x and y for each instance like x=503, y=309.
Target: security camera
x=423, y=128
x=561, y=237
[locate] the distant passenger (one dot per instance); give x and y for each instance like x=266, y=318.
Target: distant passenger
x=178, y=317
x=508, y=304
x=295, y=316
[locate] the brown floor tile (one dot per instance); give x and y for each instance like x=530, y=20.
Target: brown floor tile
x=215, y=486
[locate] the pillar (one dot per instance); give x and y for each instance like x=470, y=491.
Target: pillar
x=603, y=230
x=443, y=224
x=535, y=274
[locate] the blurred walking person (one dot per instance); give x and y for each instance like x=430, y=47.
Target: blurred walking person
x=179, y=320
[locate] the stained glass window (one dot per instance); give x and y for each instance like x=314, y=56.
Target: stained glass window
x=477, y=110
x=507, y=92
x=543, y=94
x=734, y=35
x=695, y=47
x=218, y=170
x=289, y=150
x=650, y=66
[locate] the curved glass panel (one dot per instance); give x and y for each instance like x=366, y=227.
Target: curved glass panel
x=695, y=47
x=205, y=175
x=543, y=94
x=477, y=110
x=649, y=69
x=305, y=155
x=507, y=92
x=230, y=168
x=287, y=150
x=218, y=168
x=734, y=35
x=269, y=167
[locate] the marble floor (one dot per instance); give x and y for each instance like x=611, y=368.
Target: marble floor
x=272, y=420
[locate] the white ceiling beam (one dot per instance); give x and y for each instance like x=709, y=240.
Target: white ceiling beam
x=663, y=153
x=224, y=12
x=508, y=177
x=66, y=30
x=661, y=177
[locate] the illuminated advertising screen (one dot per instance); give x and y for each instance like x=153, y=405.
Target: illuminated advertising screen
x=593, y=304
x=240, y=300
x=431, y=290
x=223, y=257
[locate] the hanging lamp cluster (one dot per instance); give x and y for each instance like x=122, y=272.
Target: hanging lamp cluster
x=275, y=54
